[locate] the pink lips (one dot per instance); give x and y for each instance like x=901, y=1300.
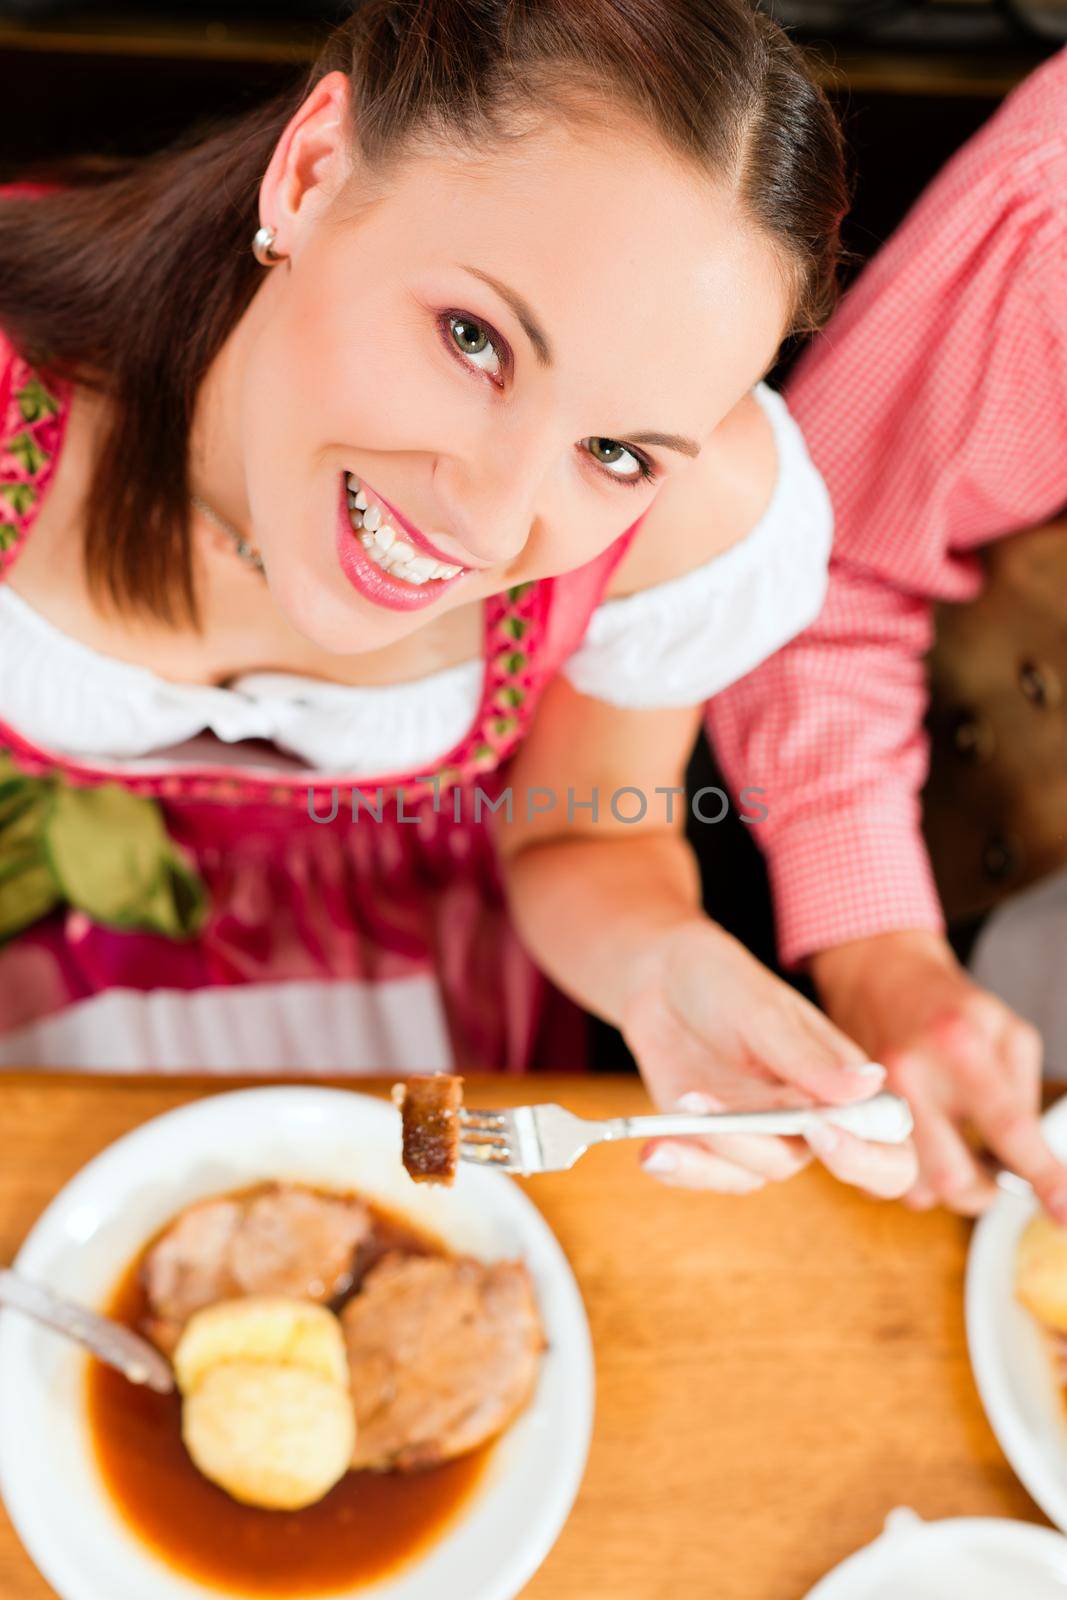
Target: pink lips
x=370, y=580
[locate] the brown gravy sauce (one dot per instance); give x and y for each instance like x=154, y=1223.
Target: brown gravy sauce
x=369, y=1525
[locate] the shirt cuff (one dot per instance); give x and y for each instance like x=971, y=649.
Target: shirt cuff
x=849, y=877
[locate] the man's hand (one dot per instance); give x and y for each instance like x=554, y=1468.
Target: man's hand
x=958, y=1055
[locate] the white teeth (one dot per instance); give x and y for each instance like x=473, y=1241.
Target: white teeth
x=395, y=556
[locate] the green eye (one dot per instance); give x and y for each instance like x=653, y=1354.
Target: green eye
x=471, y=337
x=606, y=451
x=475, y=344
x=617, y=460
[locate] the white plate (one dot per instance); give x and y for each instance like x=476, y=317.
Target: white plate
x=1011, y=1365
x=982, y=1558
x=98, y=1222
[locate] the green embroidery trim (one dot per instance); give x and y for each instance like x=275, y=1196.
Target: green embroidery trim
x=520, y=590
x=102, y=850
x=8, y=536
x=27, y=453
x=502, y=726
x=512, y=661
x=35, y=401
x=509, y=696
x=19, y=495
x=515, y=627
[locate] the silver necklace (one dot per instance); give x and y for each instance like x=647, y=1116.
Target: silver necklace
x=247, y=552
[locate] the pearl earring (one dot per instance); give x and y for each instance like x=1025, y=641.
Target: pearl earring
x=263, y=247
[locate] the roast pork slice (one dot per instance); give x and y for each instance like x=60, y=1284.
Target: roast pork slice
x=293, y=1241
x=190, y=1265
x=429, y=1114
x=284, y=1240
x=444, y=1353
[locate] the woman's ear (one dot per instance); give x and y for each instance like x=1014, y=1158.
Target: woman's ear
x=310, y=164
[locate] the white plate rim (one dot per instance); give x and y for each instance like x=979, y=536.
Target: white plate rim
x=30, y=1521
x=904, y=1526
x=1002, y=1223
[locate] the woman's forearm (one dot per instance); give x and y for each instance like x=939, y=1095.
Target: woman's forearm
x=590, y=910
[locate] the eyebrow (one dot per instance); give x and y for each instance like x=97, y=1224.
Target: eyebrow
x=668, y=441
x=523, y=311
x=528, y=321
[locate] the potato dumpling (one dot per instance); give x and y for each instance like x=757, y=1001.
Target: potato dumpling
x=267, y=1412
x=270, y=1435
x=1041, y=1272
x=262, y=1328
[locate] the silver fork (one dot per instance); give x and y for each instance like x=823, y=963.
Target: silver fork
x=549, y=1138
x=109, y=1341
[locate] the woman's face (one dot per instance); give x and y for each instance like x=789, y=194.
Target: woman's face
x=504, y=358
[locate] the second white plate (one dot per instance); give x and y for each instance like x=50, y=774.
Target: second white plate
x=1011, y=1365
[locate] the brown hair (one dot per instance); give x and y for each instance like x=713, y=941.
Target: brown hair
x=130, y=281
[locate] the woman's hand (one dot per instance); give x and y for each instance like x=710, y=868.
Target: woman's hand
x=958, y=1055
x=611, y=912
x=712, y=1029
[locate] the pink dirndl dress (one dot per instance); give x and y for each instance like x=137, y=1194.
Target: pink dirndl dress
x=385, y=917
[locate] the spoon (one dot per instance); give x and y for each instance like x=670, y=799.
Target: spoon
x=109, y=1341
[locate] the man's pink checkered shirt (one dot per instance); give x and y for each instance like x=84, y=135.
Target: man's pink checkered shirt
x=935, y=406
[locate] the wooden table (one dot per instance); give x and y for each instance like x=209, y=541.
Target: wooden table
x=775, y=1373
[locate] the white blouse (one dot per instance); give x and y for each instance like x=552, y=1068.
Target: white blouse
x=675, y=644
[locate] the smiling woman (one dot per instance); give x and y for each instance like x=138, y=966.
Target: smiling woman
x=409, y=434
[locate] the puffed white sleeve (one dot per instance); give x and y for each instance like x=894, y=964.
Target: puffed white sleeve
x=678, y=643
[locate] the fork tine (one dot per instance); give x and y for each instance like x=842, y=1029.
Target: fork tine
x=471, y=1117
x=487, y=1137
x=485, y=1153
x=516, y=1135
x=516, y=1132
